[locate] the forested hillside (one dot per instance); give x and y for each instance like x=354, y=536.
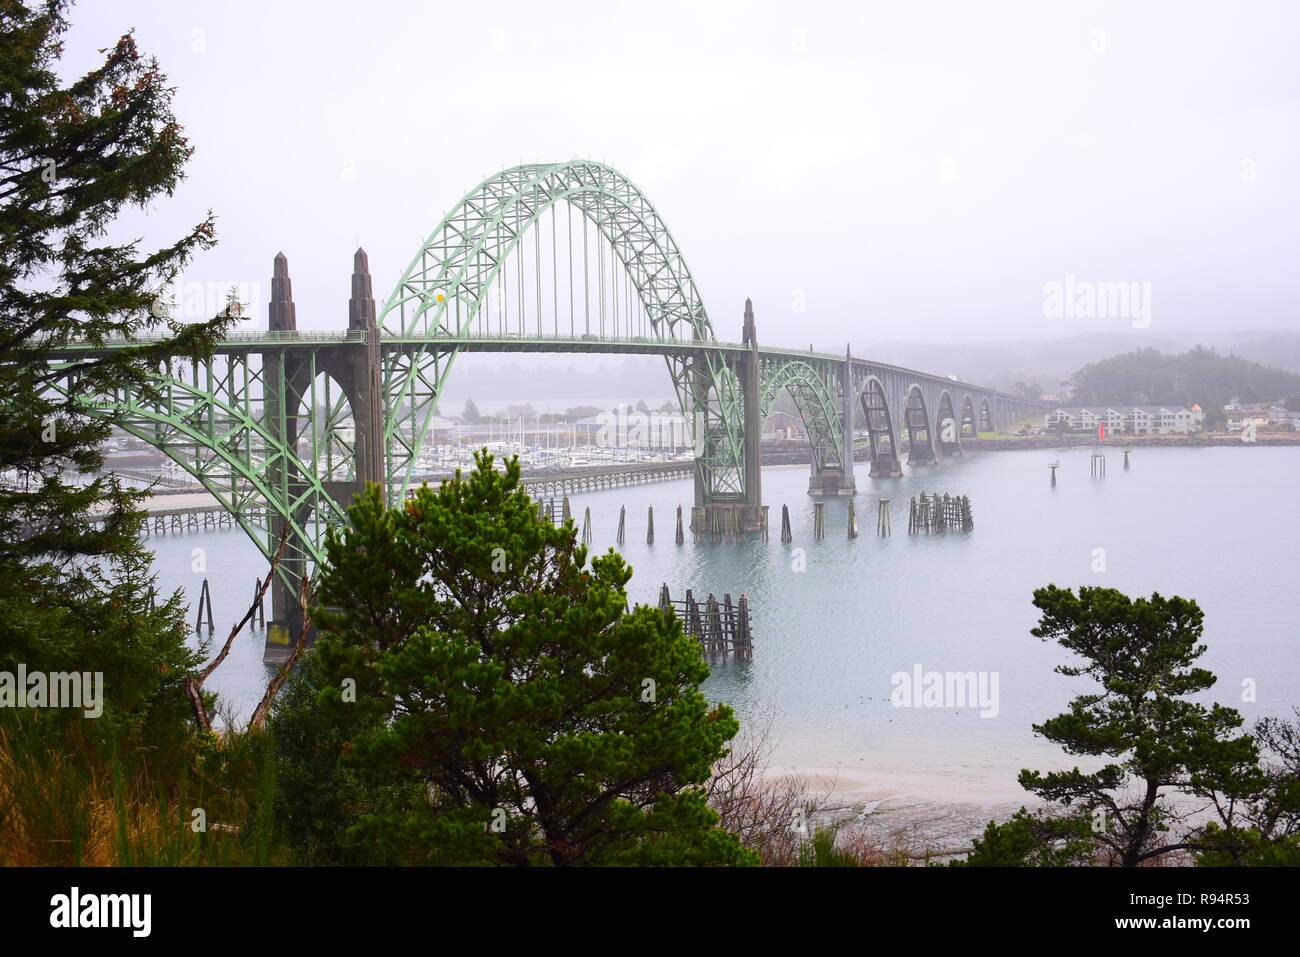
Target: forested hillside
x=1199, y=376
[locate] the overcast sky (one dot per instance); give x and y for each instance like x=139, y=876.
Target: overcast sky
x=914, y=171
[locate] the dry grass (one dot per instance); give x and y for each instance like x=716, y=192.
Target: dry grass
x=63, y=806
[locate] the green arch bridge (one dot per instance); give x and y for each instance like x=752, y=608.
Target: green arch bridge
x=284, y=426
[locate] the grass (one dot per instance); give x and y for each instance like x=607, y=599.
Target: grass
x=67, y=801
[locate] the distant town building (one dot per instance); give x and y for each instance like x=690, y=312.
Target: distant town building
x=784, y=425
x=1128, y=420
x=1262, y=415
x=1238, y=417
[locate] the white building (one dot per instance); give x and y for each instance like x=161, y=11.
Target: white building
x=1128, y=420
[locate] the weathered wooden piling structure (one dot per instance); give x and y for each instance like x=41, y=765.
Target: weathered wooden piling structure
x=721, y=628
x=586, y=526
x=204, y=609
x=622, y=518
x=882, y=518
x=940, y=513
x=680, y=537
x=819, y=521
x=1054, y=466
x=853, y=521
x=650, y=526
x=1098, y=464
x=786, y=536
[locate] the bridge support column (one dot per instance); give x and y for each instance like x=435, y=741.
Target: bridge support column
x=920, y=437
x=749, y=388
x=356, y=369
x=365, y=391
x=748, y=515
x=880, y=432
x=839, y=481
x=885, y=466
x=286, y=622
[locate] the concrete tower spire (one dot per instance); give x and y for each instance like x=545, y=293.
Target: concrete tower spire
x=281, y=314
x=361, y=307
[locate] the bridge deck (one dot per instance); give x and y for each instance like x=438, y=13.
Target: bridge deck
x=245, y=342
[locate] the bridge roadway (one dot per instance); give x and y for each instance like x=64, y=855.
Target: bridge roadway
x=257, y=342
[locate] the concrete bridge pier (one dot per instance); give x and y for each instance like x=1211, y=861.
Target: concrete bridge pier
x=281, y=371
x=355, y=368
x=839, y=481
x=880, y=431
x=747, y=515
x=920, y=439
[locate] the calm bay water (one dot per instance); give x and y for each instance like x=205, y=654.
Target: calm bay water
x=1219, y=525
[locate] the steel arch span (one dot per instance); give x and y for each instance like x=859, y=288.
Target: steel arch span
x=812, y=386
x=443, y=296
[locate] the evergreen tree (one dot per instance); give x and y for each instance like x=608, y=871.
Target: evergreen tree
x=471, y=415
x=498, y=669
x=73, y=592
x=1151, y=740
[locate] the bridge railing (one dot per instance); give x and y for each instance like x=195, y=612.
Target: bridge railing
x=578, y=338
x=289, y=335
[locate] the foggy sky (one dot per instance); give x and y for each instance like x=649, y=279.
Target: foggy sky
x=916, y=172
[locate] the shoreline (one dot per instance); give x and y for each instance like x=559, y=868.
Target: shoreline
x=907, y=808
x=1014, y=443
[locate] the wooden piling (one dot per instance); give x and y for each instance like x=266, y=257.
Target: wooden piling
x=882, y=517
x=622, y=517
x=680, y=537
x=205, y=603
x=259, y=616
x=650, y=526
x=786, y=536
x=819, y=521
x=853, y=521
x=586, y=526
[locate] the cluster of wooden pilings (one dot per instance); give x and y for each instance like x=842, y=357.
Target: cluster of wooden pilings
x=722, y=629
x=940, y=513
x=203, y=616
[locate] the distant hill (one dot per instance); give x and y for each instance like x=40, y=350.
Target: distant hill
x=1052, y=361
x=1199, y=376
